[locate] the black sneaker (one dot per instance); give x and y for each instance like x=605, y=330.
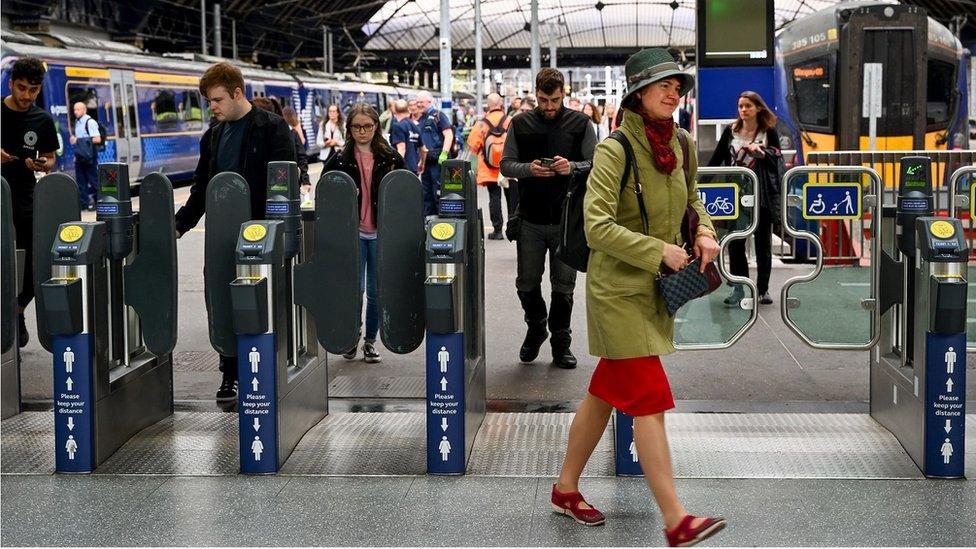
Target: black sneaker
x=369, y=353
x=227, y=391
x=351, y=353
x=496, y=235
x=534, y=338
x=23, y=337
x=563, y=358
x=765, y=299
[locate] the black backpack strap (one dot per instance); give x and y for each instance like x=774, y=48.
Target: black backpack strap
x=683, y=139
x=619, y=137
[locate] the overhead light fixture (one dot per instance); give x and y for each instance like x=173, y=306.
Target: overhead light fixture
x=674, y=4
x=599, y=6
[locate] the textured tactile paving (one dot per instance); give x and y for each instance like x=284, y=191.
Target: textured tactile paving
x=851, y=446
x=378, y=387
x=196, y=361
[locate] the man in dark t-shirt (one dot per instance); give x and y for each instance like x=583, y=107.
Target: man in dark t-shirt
x=28, y=141
x=405, y=137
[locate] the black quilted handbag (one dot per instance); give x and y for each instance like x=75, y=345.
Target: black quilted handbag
x=682, y=286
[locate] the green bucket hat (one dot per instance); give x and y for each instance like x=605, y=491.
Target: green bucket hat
x=653, y=64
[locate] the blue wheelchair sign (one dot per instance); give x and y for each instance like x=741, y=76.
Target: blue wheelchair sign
x=832, y=201
x=721, y=200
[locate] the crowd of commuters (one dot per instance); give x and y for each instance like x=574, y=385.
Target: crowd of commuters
x=528, y=153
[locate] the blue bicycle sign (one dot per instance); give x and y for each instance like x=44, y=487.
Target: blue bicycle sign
x=721, y=200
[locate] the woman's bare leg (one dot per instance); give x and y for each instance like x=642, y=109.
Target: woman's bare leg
x=585, y=433
x=651, y=441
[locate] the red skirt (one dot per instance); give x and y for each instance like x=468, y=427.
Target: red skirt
x=635, y=386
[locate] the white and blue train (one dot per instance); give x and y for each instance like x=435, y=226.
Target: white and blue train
x=149, y=105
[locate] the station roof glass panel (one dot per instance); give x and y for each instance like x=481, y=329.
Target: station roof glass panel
x=589, y=24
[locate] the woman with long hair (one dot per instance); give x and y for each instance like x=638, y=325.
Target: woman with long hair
x=632, y=237
x=752, y=142
x=593, y=113
x=271, y=104
x=330, y=138
x=367, y=157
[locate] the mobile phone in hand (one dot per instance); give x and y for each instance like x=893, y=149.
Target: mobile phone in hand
x=547, y=162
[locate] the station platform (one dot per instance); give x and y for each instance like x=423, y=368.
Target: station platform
x=770, y=433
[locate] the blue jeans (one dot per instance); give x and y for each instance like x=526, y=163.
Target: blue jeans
x=367, y=283
x=431, y=181
x=87, y=175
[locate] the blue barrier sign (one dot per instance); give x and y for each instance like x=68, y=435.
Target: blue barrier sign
x=721, y=200
x=832, y=201
x=445, y=404
x=628, y=463
x=257, y=403
x=74, y=449
x=945, y=404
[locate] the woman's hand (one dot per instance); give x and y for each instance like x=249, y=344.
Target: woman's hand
x=707, y=249
x=675, y=257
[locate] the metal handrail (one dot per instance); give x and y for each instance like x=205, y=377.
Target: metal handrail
x=733, y=235
x=876, y=185
x=953, y=179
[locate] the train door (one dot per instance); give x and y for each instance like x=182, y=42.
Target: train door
x=126, y=104
x=894, y=49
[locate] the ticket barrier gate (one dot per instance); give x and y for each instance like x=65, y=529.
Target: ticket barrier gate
x=11, y=270
x=253, y=314
x=106, y=308
x=731, y=197
x=326, y=288
x=914, y=308
x=454, y=296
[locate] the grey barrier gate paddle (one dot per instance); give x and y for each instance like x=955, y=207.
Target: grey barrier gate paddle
x=334, y=259
x=151, y=280
x=9, y=268
x=228, y=207
x=57, y=193
x=10, y=385
x=400, y=261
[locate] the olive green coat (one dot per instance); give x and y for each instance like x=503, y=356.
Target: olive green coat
x=625, y=314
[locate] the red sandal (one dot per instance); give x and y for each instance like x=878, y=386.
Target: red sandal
x=683, y=535
x=569, y=504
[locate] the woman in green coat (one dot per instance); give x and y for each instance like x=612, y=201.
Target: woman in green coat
x=629, y=325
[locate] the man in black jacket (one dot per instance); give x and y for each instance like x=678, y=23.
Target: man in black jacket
x=543, y=148
x=243, y=140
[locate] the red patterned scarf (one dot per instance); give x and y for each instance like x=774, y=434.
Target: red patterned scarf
x=659, y=134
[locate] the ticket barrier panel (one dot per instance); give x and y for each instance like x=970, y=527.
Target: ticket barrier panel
x=918, y=372
x=109, y=313
x=454, y=295
x=731, y=198
x=962, y=205
x=11, y=270
x=282, y=371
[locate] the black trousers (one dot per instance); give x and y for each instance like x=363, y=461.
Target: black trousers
x=24, y=236
x=739, y=265
x=495, y=202
x=535, y=241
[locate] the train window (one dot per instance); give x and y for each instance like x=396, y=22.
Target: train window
x=812, y=88
x=941, y=83
x=192, y=108
x=83, y=94
x=164, y=109
x=119, y=103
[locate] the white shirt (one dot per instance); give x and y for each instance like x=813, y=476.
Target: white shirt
x=84, y=127
x=329, y=131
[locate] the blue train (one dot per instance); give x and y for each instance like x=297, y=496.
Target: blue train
x=150, y=106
